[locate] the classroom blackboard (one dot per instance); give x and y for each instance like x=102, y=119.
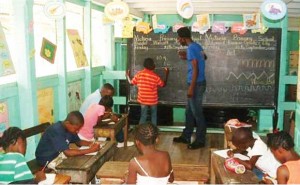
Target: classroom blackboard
x=241, y=70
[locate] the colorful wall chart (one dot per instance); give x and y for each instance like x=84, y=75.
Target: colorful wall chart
x=4, y=119
x=74, y=96
x=78, y=49
x=6, y=64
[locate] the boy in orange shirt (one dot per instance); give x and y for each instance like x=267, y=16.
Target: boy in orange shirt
x=147, y=82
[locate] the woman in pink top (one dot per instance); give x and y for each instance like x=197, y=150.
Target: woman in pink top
x=94, y=115
x=282, y=146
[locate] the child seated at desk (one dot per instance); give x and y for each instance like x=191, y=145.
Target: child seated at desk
x=282, y=146
x=13, y=166
x=94, y=115
x=257, y=151
x=56, y=140
x=153, y=166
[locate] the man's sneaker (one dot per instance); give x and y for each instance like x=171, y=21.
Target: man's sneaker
x=196, y=145
x=181, y=139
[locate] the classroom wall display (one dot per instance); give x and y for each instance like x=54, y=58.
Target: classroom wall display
x=4, y=119
x=241, y=70
x=77, y=47
x=45, y=103
x=48, y=50
x=74, y=96
x=6, y=64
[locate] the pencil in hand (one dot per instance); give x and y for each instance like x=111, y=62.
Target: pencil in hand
x=43, y=169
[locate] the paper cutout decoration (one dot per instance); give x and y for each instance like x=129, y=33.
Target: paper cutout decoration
x=48, y=51
x=54, y=10
x=177, y=26
x=143, y=27
x=78, y=49
x=185, y=8
x=196, y=28
x=161, y=28
x=273, y=9
x=4, y=119
x=116, y=10
x=219, y=27
x=6, y=65
x=263, y=29
x=251, y=21
x=238, y=28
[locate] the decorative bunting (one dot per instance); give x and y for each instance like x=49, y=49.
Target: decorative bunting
x=177, y=26
x=252, y=21
x=161, y=28
x=143, y=27
x=219, y=27
x=203, y=21
x=238, y=28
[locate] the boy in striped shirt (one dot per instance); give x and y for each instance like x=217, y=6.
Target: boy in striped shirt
x=13, y=166
x=147, y=82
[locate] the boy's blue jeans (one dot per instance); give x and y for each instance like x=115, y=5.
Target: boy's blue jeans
x=194, y=114
x=144, y=110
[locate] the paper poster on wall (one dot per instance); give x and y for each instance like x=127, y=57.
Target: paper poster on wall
x=203, y=21
x=127, y=31
x=6, y=64
x=4, y=119
x=74, y=96
x=78, y=48
x=45, y=105
x=48, y=51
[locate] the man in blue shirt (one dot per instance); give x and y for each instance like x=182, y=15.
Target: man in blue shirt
x=196, y=82
x=58, y=136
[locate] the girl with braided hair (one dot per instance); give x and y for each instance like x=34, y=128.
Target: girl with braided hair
x=152, y=166
x=282, y=146
x=13, y=166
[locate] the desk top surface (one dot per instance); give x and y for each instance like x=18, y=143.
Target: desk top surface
x=229, y=177
x=83, y=162
x=182, y=172
x=121, y=122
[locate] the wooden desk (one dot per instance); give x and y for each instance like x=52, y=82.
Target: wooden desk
x=111, y=130
x=62, y=179
x=220, y=175
x=112, y=172
x=83, y=169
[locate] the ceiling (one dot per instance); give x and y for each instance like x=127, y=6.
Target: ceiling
x=235, y=7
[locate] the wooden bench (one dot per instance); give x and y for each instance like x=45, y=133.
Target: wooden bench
x=32, y=131
x=112, y=172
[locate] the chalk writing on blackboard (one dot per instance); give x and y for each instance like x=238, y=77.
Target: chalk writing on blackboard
x=241, y=70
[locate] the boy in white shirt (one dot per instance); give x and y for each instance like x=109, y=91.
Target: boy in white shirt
x=260, y=156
